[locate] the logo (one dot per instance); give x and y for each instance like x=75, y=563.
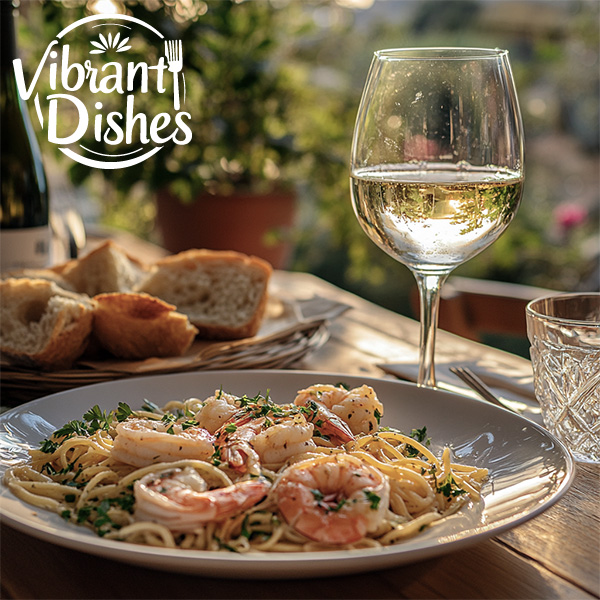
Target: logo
x=121, y=118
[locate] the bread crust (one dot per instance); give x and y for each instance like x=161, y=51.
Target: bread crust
x=138, y=326
x=50, y=274
x=190, y=258
x=67, y=318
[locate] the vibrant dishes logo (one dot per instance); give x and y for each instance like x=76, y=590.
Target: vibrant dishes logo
x=112, y=121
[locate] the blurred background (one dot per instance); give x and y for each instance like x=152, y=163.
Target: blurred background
x=273, y=88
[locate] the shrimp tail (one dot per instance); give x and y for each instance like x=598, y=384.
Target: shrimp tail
x=328, y=425
x=240, y=457
x=233, y=444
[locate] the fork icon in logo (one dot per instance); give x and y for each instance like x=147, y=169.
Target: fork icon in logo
x=174, y=56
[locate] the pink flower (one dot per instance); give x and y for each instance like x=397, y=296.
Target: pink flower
x=569, y=215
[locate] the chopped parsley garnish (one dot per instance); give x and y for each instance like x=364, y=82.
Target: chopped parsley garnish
x=377, y=416
x=216, y=457
x=102, y=517
x=70, y=429
x=224, y=545
x=338, y=506
x=123, y=411
x=52, y=471
x=251, y=534
x=318, y=494
x=318, y=434
x=450, y=488
x=420, y=435
x=83, y=514
x=48, y=446
x=373, y=498
x=98, y=515
x=327, y=505
x=97, y=419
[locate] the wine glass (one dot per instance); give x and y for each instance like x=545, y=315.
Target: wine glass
x=437, y=164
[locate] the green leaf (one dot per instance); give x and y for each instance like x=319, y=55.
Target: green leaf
x=48, y=446
x=373, y=498
x=318, y=495
x=123, y=411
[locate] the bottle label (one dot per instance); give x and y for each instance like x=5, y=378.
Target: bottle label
x=25, y=248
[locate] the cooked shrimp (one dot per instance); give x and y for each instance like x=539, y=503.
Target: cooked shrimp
x=280, y=441
x=334, y=499
x=142, y=442
x=359, y=407
x=179, y=499
x=217, y=410
x=248, y=440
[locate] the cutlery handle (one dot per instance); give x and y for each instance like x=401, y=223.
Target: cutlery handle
x=176, y=91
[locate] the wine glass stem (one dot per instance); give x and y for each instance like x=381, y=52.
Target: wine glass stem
x=430, y=286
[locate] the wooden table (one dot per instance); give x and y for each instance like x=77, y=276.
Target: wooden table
x=555, y=555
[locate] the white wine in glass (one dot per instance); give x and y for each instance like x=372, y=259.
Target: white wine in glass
x=437, y=164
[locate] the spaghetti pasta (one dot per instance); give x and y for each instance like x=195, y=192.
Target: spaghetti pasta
x=235, y=501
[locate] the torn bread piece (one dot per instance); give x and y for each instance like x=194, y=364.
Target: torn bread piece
x=42, y=325
x=224, y=293
x=138, y=326
x=107, y=268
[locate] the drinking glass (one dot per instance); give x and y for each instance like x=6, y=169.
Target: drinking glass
x=564, y=331
x=437, y=164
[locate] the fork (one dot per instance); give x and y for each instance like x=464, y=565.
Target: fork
x=174, y=56
x=476, y=384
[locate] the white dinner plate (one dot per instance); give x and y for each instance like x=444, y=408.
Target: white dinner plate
x=529, y=469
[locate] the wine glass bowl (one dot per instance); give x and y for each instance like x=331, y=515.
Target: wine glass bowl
x=437, y=163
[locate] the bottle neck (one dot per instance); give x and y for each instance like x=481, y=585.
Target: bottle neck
x=8, y=47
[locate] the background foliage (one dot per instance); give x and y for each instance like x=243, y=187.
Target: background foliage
x=279, y=84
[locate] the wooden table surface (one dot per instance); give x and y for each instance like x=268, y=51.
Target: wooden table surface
x=555, y=555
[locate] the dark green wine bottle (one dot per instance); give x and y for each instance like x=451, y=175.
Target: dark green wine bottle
x=24, y=225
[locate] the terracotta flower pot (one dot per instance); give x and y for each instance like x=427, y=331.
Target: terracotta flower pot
x=244, y=222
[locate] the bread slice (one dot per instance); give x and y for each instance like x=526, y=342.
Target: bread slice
x=138, y=326
x=42, y=325
x=224, y=293
x=107, y=268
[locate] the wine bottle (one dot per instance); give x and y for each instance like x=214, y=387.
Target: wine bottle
x=24, y=216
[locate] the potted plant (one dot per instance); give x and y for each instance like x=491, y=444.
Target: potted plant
x=253, y=137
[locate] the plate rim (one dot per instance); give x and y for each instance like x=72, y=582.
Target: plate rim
x=331, y=562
